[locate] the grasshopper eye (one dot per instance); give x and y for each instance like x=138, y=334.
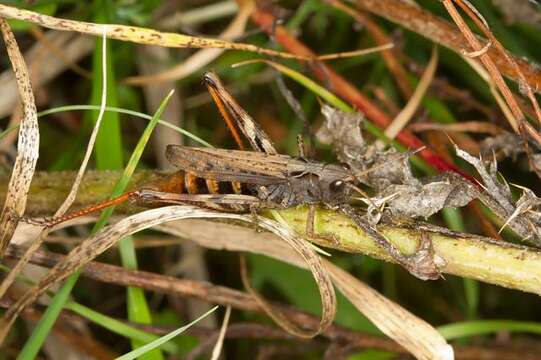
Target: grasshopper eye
x=345, y=166
x=336, y=185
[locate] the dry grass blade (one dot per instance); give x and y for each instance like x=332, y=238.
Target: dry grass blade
x=133, y=34
x=282, y=319
x=396, y=322
x=73, y=191
x=90, y=146
x=417, y=336
x=106, y=238
x=220, y=342
x=202, y=57
x=402, y=119
x=149, y=36
x=27, y=147
x=359, y=52
x=483, y=73
x=323, y=281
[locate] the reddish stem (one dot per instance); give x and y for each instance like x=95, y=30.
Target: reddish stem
x=349, y=92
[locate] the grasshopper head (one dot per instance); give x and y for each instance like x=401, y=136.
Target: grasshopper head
x=333, y=183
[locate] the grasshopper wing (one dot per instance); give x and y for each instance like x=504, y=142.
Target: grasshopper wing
x=230, y=165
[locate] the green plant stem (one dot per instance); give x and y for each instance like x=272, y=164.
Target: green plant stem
x=464, y=255
x=485, y=259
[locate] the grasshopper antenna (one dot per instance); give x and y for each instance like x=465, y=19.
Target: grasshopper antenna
x=49, y=222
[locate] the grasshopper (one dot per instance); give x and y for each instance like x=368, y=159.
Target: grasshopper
x=245, y=181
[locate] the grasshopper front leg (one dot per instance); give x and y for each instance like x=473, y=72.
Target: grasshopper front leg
x=421, y=264
x=310, y=228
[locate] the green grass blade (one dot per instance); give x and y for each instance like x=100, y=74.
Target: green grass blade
x=118, y=327
x=120, y=187
x=44, y=326
x=51, y=314
x=109, y=155
x=108, y=149
x=38, y=336
x=471, y=293
x=137, y=307
x=107, y=322
x=138, y=310
x=118, y=110
x=144, y=349
x=483, y=327
x=8, y=130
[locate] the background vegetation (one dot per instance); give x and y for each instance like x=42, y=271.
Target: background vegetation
x=479, y=319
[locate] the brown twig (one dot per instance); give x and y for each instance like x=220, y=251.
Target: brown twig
x=202, y=290
x=239, y=300
x=520, y=124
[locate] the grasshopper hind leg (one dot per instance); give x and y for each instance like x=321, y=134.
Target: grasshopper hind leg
x=254, y=212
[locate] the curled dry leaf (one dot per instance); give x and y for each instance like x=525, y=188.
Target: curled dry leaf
x=509, y=145
x=343, y=131
x=423, y=199
x=371, y=165
x=417, y=336
x=326, y=290
x=6, y=283
x=499, y=191
x=497, y=196
x=106, y=238
x=388, y=172
x=392, y=319
x=27, y=147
